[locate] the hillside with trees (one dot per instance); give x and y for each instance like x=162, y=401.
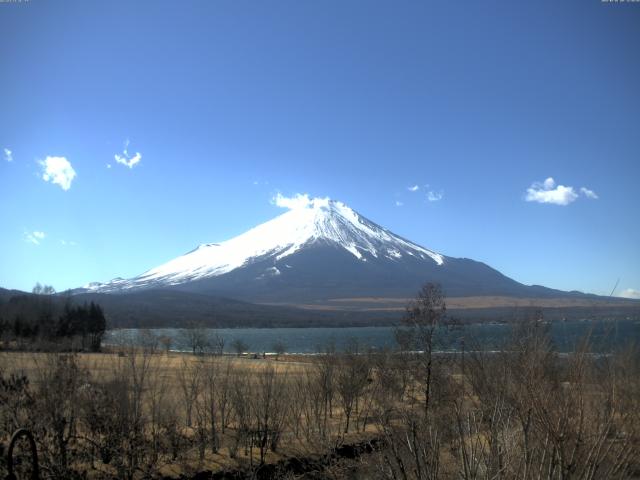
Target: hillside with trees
x=42, y=320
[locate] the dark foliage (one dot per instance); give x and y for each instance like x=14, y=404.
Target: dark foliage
x=45, y=318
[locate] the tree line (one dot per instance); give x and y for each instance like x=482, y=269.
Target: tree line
x=45, y=319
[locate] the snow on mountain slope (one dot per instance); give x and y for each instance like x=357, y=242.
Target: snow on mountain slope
x=317, y=220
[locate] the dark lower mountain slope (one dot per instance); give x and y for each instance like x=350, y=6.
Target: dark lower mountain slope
x=324, y=271
x=172, y=308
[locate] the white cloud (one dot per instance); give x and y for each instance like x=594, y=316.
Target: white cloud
x=298, y=201
x=549, y=192
x=399, y=203
x=413, y=188
x=126, y=159
x=8, y=155
x=108, y=165
x=549, y=183
x=434, y=196
x=59, y=171
x=69, y=243
x=34, y=237
x=630, y=293
x=589, y=193
x=128, y=162
x=292, y=203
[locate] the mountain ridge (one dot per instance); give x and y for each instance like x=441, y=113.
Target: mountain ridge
x=321, y=221
x=319, y=250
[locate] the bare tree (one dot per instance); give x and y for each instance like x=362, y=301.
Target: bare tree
x=195, y=338
x=217, y=342
x=268, y=403
x=189, y=378
x=58, y=402
x=239, y=346
x=279, y=348
x=148, y=340
x=223, y=392
x=166, y=342
x=351, y=380
x=209, y=401
x=422, y=318
x=39, y=289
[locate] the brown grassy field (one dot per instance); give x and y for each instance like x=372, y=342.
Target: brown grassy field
x=102, y=365
x=526, y=412
x=463, y=303
x=172, y=381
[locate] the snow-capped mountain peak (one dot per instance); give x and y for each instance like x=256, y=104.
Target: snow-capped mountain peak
x=307, y=222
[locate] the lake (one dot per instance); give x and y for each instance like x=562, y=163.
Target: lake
x=565, y=335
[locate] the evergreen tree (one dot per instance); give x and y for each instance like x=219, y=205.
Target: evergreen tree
x=97, y=326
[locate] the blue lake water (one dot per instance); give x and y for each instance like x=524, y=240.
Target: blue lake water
x=565, y=335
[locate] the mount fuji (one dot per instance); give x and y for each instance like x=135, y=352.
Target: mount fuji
x=319, y=251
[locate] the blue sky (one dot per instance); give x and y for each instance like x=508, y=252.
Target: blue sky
x=214, y=107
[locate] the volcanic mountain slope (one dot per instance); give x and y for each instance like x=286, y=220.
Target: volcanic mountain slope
x=321, y=250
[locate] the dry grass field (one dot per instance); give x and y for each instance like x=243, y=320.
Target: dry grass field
x=526, y=412
x=167, y=366
x=182, y=386
x=398, y=304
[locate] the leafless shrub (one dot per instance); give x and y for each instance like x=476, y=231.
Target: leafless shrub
x=195, y=338
x=268, y=404
x=57, y=401
x=189, y=378
x=353, y=376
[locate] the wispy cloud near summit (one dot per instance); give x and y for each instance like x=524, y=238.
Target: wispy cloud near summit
x=298, y=201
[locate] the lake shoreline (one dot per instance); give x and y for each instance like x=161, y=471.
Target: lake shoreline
x=312, y=340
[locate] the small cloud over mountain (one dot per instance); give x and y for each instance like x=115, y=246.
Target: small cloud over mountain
x=298, y=201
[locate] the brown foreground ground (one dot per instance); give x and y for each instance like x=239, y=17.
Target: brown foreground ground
x=526, y=412
x=188, y=389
